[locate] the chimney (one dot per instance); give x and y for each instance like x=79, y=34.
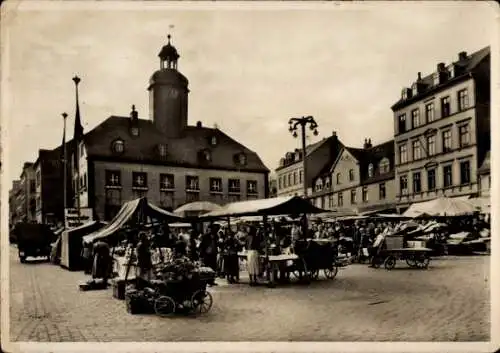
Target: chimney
x=133, y=114
x=367, y=144
x=198, y=124
x=440, y=67
x=334, y=146
x=419, y=76
x=462, y=56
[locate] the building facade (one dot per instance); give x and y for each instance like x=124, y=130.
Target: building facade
x=14, y=202
x=290, y=173
x=163, y=158
x=484, y=177
x=359, y=180
x=27, y=194
x=442, y=130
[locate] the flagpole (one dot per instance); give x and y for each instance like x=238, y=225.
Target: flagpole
x=77, y=136
x=65, y=171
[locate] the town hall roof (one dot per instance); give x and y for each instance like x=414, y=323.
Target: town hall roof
x=187, y=150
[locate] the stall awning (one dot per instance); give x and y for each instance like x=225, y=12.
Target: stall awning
x=138, y=209
x=442, y=206
x=270, y=207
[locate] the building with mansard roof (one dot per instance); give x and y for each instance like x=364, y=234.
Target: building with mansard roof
x=163, y=157
x=442, y=130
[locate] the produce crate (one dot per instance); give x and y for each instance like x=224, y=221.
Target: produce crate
x=118, y=285
x=137, y=303
x=394, y=242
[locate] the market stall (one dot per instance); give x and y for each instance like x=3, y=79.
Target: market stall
x=293, y=206
x=71, y=244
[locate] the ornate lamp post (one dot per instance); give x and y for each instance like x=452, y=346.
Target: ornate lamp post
x=294, y=124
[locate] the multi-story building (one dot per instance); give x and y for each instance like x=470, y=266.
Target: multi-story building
x=14, y=195
x=273, y=187
x=163, y=158
x=442, y=130
x=359, y=180
x=290, y=173
x=49, y=182
x=26, y=202
x=484, y=177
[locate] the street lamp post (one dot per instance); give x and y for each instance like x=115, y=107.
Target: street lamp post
x=294, y=123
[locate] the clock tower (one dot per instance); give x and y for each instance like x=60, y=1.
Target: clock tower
x=168, y=94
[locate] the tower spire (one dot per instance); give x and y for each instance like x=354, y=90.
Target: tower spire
x=168, y=55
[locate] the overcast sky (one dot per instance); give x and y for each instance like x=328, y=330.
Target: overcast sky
x=249, y=71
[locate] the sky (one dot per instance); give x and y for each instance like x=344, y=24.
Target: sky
x=250, y=68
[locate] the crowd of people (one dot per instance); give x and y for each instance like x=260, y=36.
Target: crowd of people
x=219, y=245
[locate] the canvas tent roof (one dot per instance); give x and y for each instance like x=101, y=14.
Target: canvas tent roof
x=138, y=209
x=442, y=206
x=270, y=207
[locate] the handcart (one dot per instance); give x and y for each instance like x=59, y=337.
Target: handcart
x=169, y=296
x=392, y=249
x=315, y=255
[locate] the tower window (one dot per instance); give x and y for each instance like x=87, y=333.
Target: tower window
x=118, y=146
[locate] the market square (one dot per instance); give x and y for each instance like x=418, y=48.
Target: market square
x=189, y=186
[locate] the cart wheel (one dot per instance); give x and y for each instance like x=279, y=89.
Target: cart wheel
x=411, y=261
x=422, y=262
x=390, y=263
x=201, y=301
x=164, y=306
x=331, y=273
x=314, y=274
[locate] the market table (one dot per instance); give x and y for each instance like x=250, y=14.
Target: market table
x=275, y=262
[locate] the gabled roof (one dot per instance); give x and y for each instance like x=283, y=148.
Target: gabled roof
x=485, y=166
x=182, y=151
x=468, y=65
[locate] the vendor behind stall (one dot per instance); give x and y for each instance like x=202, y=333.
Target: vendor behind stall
x=144, y=262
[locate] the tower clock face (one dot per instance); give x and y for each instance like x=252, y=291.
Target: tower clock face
x=172, y=92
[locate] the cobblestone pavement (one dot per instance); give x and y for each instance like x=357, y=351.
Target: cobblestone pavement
x=447, y=302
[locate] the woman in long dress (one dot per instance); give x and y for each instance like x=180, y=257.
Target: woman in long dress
x=253, y=246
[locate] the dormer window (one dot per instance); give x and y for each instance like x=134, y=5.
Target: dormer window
x=414, y=89
x=404, y=94
x=327, y=183
x=162, y=149
x=370, y=170
x=435, y=77
x=207, y=156
x=384, y=166
x=242, y=159
x=134, y=131
x=213, y=141
x=319, y=185
x=118, y=146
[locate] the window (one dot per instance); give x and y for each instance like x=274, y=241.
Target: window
x=213, y=141
x=242, y=159
x=162, y=149
x=403, y=184
x=38, y=178
x=234, y=186
x=82, y=149
x=279, y=183
x=118, y=146
x=402, y=123
x=340, y=199
x=370, y=170
x=289, y=180
x=445, y=107
x=327, y=183
x=463, y=132
x=113, y=178
x=167, y=182
x=300, y=176
x=294, y=178
x=139, y=180
x=431, y=145
x=206, y=155
x=215, y=185
x=351, y=175
x=384, y=166
x=415, y=118
x=431, y=179
x=447, y=141
x=448, y=176
x=319, y=184
x=32, y=186
x=403, y=157
x=429, y=112
x=330, y=201
x=192, y=183
x=251, y=187
x=381, y=191
x=134, y=131
x=416, y=150
x=464, y=172
x=338, y=178
x=417, y=184
x=365, y=194
x=353, y=197
x=167, y=200
x=463, y=100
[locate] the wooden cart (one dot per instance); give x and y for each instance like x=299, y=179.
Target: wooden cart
x=392, y=249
